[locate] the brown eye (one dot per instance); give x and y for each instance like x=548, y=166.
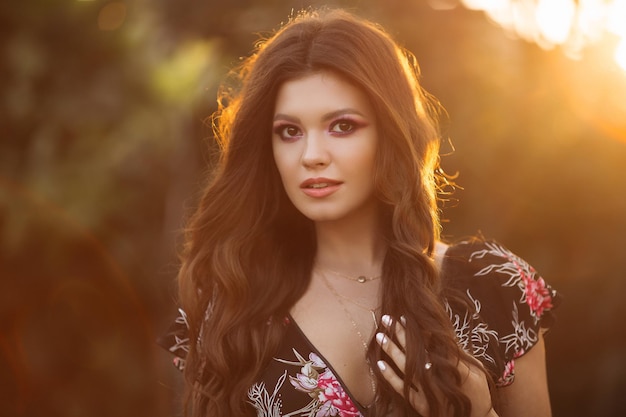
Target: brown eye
x=290, y=131
x=343, y=127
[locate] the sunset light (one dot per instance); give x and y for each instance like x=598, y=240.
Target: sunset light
x=570, y=24
x=620, y=54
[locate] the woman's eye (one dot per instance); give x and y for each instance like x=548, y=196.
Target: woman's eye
x=342, y=126
x=287, y=132
x=290, y=131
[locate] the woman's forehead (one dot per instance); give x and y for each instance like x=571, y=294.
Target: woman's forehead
x=323, y=91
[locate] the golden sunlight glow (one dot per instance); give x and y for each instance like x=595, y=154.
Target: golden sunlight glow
x=555, y=19
x=617, y=19
x=620, y=54
x=571, y=24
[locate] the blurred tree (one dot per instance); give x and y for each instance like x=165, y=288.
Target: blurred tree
x=90, y=132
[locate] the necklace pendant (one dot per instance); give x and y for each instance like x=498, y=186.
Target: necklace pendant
x=361, y=279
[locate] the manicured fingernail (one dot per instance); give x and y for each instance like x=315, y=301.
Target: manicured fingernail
x=381, y=338
x=386, y=319
x=403, y=320
x=381, y=365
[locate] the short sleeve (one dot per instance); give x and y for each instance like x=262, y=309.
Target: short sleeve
x=502, y=304
x=176, y=339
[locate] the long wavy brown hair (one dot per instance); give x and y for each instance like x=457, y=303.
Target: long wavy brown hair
x=249, y=253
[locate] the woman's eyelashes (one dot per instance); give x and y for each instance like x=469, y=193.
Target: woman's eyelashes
x=287, y=132
x=345, y=126
x=340, y=127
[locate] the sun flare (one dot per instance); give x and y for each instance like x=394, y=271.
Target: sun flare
x=572, y=24
x=620, y=54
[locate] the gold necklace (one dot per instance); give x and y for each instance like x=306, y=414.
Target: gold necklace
x=360, y=279
x=372, y=311
x=355, y=327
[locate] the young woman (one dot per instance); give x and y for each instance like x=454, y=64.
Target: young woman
x=313, y=282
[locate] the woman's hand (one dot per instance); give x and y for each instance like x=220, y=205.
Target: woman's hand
x=474, y=380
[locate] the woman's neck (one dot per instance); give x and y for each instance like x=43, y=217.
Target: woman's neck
x=353, y=246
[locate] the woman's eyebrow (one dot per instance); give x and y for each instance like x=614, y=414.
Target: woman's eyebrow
x=328, y=116
x=341, y=112
x=280, y=116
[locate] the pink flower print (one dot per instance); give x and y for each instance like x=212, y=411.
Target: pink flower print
x=317, y=380
x=306, y=380
x=179, y=363
x=509, y=370
x=334, y=398
x=316, y=361
x=538, y=296
x=508, y=375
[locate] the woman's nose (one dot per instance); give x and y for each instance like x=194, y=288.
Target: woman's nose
x=315, y=153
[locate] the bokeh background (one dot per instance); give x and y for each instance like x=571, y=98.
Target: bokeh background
x=104, y=145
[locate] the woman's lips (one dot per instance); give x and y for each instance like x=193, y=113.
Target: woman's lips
x=319, y=187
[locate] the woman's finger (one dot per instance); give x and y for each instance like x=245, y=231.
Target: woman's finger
x=391, y=377
x=400, y=332
x=416, y=398
x=392, y=350
x=401, y=335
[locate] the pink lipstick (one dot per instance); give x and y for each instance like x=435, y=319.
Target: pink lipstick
x=319, y=187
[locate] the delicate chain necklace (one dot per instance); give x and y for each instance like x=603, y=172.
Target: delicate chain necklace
x=355, y=326
x=372, y=311
x=361, y=278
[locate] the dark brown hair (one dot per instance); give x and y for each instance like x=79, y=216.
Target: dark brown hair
x=249, y=252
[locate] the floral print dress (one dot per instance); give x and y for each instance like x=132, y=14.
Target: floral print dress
x=511, y=303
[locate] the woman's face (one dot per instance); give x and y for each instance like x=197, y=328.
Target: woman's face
x=324, y=142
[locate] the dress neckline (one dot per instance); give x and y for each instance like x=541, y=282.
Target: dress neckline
x=440, y=260
x=362, y=408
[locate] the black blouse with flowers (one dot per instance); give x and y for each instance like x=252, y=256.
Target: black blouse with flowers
x=511, y=304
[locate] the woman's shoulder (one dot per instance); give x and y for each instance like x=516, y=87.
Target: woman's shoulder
x=475, y=258
x=498, y=303
x=490, y=270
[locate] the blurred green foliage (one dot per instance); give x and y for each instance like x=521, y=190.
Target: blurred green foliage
x=103, y=147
